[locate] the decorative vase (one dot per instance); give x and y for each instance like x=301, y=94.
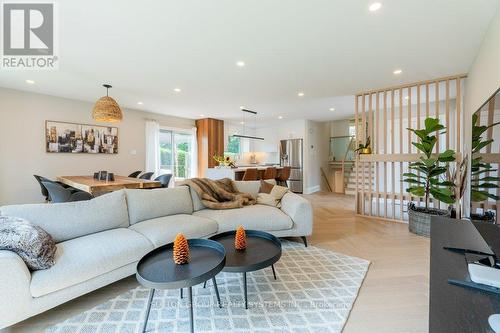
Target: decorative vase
x=181, y=250
x=240, y=239
x=366, y=151
x=419, y=218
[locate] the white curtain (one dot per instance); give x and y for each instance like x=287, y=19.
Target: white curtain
x=194, y=154
x=152, y=147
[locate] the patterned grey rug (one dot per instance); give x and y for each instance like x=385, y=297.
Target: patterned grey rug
x=314, y=292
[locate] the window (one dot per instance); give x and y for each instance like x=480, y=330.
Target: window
x=175, y=153
x=233, y=147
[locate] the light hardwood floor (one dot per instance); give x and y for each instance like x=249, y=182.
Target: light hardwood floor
x=394, y=295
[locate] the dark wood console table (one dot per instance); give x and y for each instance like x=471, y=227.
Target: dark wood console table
x=452, y=308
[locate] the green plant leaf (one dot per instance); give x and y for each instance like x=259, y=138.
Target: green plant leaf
x=490, y=178
x=418, y=191
x=438, y=171
x=478, y=196
x=485, y=185
x=481, y=145
x=447, y=156
x=412, y=181
x=442, y=194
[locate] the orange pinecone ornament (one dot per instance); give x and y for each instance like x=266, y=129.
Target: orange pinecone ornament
x=240, y=240
x=181, y=250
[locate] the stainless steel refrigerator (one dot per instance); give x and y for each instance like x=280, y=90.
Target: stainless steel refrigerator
x=291, y=153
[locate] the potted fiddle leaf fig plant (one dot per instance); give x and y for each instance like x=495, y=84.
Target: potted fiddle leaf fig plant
x=427, y=177
x=481, y=179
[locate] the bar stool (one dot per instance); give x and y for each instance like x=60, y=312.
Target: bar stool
x=283, y=176
x=270, y=173
x=250, y=174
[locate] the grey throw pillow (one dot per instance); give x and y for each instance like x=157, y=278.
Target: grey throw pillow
x=33, y=244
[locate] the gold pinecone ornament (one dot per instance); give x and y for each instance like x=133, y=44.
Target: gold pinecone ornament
x=181, y=250
x=240, y=240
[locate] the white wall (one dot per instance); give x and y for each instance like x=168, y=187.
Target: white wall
x=22, y=143
x=482, y=81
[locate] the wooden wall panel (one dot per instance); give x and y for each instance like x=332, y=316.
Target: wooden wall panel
x=210, y=138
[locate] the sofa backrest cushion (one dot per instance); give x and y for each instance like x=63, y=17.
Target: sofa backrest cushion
x=149, y=204
x=252, y=186
x=64, y=221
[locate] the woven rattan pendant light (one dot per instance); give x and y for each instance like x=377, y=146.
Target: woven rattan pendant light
x=106, y=109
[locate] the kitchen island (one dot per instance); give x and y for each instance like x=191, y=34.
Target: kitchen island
x=237, y=173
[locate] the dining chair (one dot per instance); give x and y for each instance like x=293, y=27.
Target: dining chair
x=59, y=193
x=250, y=174
x=269, y=173
x=164, y=179
x=135, y=174
x=43, y=189
x=146, y=175
x=283, y=176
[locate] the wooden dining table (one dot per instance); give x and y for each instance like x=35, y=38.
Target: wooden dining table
x=98, y=187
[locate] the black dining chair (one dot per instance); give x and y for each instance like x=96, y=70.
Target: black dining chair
x=43, y=189
x=59, y=193
x=135, y=174
x=146, y=175
x=164, y=179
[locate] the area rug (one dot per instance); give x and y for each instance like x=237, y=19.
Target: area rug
x=314, y=292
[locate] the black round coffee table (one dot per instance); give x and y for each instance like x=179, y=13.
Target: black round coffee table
x=157, y=270
x=263, y=250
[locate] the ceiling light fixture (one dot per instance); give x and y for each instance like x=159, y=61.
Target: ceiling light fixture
x=177, y=90
x=300, y=94
x=332, y=109
x=254, y=113
x=242, y=107
x=280, y=117
x=106, y=109
x=240, y=63
x=202, y=115
x=397, y=71
x=30, y=81
x=139, y=103
x=374, y=6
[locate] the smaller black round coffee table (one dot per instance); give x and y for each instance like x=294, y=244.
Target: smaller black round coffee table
x=157, y=270
x=263, y=250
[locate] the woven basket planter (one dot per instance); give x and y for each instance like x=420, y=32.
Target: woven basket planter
x=419, y=219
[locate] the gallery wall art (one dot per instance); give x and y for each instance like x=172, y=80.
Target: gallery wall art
x=63, y=137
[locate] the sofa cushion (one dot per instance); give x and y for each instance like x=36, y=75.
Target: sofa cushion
x=149, y=204
x=197, y=204
x=256, y=217
x=81, y=259
x=162, y=230
x=64, y=221
x=251, y=186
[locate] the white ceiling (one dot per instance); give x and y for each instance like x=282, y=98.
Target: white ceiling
x=329, y=49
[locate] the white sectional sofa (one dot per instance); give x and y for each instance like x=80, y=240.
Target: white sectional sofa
x=100, y=241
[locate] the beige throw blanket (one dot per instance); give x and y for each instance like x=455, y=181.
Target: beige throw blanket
x=219, y=194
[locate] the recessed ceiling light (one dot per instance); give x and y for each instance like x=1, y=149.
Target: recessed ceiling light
x=375, y=6
x=332, y=109
x=242, y=123
x=139, y=103
x=280, y=117
x=177, y=90
x=242, y=107
x=300, y=94
x=240, y=63
x=397, y=71
x=30, y=81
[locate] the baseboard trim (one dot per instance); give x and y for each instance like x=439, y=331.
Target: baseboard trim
x=312, y=189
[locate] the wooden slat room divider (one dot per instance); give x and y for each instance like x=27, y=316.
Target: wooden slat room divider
x=384, y=115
